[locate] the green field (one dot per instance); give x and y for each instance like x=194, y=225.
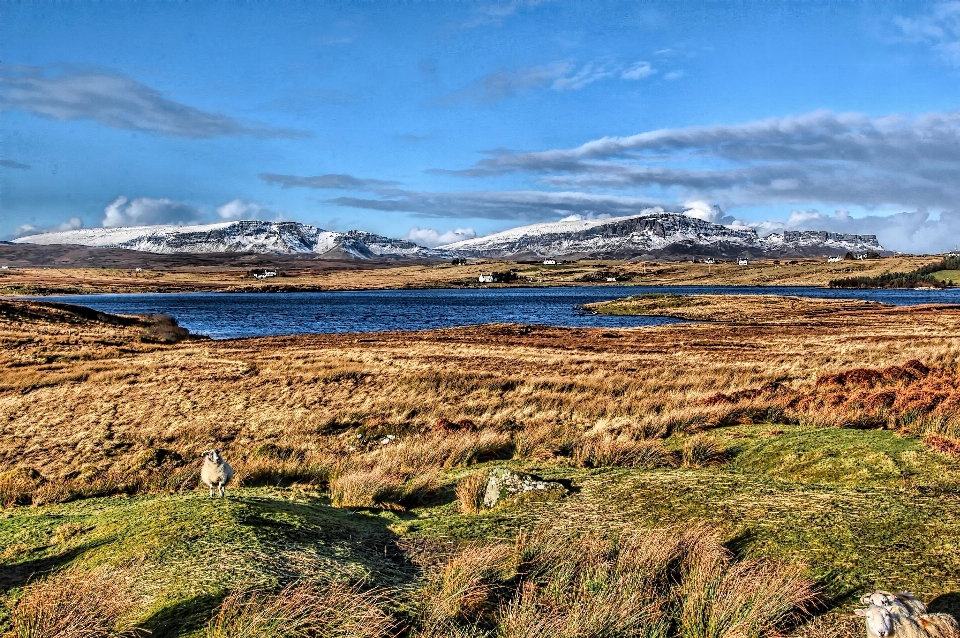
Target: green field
x=947, y=275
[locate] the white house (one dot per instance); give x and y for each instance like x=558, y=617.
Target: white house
x=834, y=260
x=486, y=279
x=743, y=261
x=709, y=260
x=549, y=262
x=611, y=278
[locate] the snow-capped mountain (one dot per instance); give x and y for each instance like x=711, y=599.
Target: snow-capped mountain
x=240, y=236
x=659, y=234
x=653, y=233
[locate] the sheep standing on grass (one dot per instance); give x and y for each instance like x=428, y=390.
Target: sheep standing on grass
x=215, y=471
x=903, y=616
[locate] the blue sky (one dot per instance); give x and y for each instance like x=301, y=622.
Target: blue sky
x=441, y=120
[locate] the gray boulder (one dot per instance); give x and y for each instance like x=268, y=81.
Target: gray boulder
x=504, y=483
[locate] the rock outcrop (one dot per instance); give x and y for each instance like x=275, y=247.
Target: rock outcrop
x=504, y=484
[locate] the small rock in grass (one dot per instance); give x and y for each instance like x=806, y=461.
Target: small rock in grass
x=504, y=483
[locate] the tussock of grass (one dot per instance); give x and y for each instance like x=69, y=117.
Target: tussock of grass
x=75, y=604
x=470, y=492
x=302, y=610
x=701, y=450
x=660, y=583
x=381, y=488
x=605, y=451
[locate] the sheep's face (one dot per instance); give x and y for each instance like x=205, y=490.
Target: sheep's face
x=879, y=621
x=878, y=599
x=212, y=455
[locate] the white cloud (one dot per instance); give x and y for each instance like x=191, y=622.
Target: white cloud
x=704, y=210
x=587, y=74
x=74, y=223
x=638, y=71
x=938, y=27
x=493, y=14
x=433, y=238
x=144, y=211
x=244, y=210
x=556, y=76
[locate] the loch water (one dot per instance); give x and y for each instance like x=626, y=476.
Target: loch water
x=235, y=315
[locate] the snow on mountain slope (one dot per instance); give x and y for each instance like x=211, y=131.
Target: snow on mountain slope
x=239, y=236
x=654, y=233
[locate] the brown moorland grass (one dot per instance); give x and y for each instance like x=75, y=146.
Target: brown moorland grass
x=76, y=604
x=88, y=408
x=302, y=610
x=658, y=583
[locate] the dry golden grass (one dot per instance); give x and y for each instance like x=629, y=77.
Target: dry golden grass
x=470, y=492
x=658, y=583
x=303, y=610
x=88, y=408
x=75, y=604
x=607, y=451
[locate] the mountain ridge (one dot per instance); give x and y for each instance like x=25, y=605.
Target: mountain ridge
x=241, y=237
x=655, y=234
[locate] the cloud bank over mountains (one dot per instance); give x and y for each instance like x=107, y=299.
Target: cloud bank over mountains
x=432, y=238
x=144, y=211
x=74, y=223
x=845, y=159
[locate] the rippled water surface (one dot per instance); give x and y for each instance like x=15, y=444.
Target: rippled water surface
x=231, y=315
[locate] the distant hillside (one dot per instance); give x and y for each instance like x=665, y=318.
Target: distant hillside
x=656, y=234
x=240, y=237
x=652, y=234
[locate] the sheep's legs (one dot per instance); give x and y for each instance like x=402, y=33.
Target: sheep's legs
x=211, y=491
x=220, y=487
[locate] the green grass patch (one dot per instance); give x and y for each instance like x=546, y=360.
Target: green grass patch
x=947, y=275
x=196, y=549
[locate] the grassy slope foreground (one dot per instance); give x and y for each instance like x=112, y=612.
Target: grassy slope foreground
x=713, y=466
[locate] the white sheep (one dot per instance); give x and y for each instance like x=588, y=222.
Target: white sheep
x=215, y=471
x=939, y=625
x=903, y=603
x=881, y=623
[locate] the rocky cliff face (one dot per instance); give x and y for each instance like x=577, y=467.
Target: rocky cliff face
x=657, y=234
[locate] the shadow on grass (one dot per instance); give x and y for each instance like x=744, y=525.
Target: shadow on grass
x=19, y=574
x=185, y=617
x=946, y=604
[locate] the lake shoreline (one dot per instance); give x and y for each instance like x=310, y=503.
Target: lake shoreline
x=227, y=315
